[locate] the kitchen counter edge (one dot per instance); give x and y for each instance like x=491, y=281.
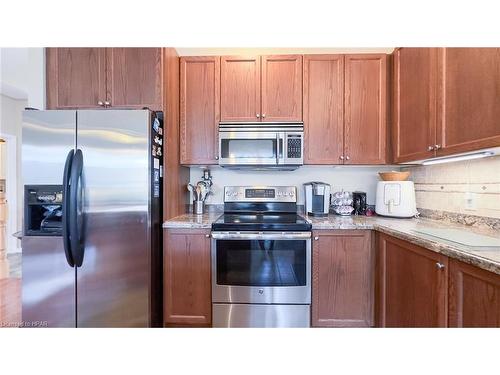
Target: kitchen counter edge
x=404, y=229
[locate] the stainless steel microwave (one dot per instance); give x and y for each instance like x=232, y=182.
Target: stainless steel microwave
x=261, y=145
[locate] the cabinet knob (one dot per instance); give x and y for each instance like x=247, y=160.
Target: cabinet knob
x=316, y=238
x=207, y=235
x=257, y=115
x=101, y=103
x=216, y=158
x=263, y=115
x=341, y=157
x=107, y=104
x=430, y=148
x=347, y=158
x=437, y=147
x=440, y=266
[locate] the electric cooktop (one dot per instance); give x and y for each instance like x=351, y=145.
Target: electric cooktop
x=261, y=222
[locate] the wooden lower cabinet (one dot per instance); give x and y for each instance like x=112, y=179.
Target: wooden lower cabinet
x=186, y=278
x=474, y=296
x=412, y=285
x=342, y=278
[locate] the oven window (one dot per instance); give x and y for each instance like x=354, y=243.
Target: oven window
x=261, y=262
x=248, y=148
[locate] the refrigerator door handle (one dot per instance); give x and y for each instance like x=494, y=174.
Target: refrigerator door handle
x=66, y=209
x=76, y=212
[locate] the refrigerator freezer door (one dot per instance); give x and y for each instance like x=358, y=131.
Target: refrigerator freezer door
x=48, y=283
x=113, y=280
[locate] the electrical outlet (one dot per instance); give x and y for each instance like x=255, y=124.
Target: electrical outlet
x=470, y=201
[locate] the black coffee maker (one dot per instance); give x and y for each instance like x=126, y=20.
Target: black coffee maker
x=359, y=202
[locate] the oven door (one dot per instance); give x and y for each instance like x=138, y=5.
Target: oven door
x=261, y=267
x=249, y=148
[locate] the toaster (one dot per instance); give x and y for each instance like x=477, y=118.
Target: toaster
x=396, y=199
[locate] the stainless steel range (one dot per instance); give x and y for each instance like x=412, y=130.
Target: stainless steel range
x=261, y=259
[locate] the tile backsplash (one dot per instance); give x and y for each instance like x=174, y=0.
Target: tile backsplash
x=470, y=187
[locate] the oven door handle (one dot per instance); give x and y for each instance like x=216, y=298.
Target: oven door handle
x=261, y=235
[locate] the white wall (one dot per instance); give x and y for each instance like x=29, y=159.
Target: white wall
x=3, y=155
x=22, y=75
x=346, y=178
x=11, y=125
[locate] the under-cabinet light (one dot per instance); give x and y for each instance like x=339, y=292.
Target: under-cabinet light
x=450, y=159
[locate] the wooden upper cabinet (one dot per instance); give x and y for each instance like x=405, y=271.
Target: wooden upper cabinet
x=187, y=278
x=76, y=77
x=323, y=109
x=134, y=77
x=240, y=89
x=469, y=109
x=199, y=113
x=412, y=284
x=474, y=296
x=104, y=77
x=365, y=109
x=281, y=88
x=415, y=107
x=343, y=268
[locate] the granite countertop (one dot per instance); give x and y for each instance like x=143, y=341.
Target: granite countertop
x=192, y=221
x=405, y=229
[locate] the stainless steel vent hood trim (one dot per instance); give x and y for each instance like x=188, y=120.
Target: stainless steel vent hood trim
x=239, y=167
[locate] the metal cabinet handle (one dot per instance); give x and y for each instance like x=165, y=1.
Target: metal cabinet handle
x=316, y=238
x=263, y=115
x=216, y=158
x=430, y=148
x=440, y=266
x=257, y=115
x=437, y=147
x=347, y=158
x=207, y=235
x=341, y=157
x=101, y=103
x=107, y=104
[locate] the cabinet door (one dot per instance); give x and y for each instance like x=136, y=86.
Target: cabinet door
x=415, y=111
x=76, y=77
x=240, y=89
x=282, y=88
x=134, y=78
x=323, y=109
x=187, y=282
x=469, y=97
x=365, y=109
x=199, y=115
x=474, y=296
x=412, y=285
x=342, y=279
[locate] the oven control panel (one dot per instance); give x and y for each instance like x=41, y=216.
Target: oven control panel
x=260, y=194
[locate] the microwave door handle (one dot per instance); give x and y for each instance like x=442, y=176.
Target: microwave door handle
x=277, y=148
x=280, y=159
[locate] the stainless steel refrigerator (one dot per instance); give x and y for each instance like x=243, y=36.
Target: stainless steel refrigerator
x=92, y=218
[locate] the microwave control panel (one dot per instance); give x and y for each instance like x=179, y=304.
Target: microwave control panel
x=294, y=146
